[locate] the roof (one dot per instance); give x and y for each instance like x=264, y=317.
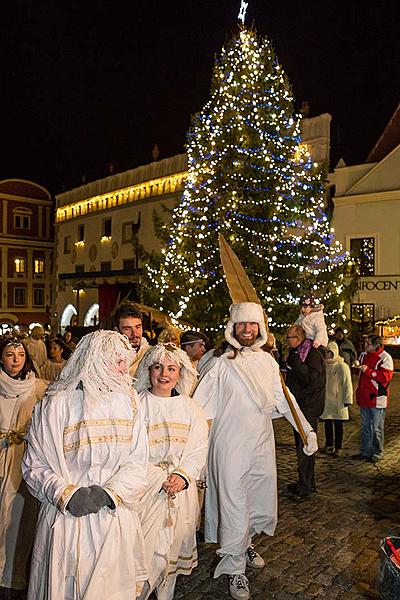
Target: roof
x=389, y=139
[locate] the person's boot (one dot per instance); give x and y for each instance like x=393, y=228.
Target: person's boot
x=337, y=453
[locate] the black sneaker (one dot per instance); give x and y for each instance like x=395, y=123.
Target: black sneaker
x=361, y=457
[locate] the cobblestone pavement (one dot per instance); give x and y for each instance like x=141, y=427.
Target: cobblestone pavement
x=328, y=546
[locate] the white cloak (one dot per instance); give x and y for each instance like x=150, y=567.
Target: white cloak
x=18, y=510
x=178, y=440
x=241, y=396
x=69, y=446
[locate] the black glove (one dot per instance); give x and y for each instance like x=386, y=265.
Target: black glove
x=81, y=503
x=99, y=496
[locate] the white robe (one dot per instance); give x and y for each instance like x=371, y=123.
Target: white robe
x=37, y=351
x=50, y=369
x=178, y=439
x=69, y=446
x=241, y=396
x=18, y=510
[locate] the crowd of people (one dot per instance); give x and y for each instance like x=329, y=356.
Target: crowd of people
x=107, y=445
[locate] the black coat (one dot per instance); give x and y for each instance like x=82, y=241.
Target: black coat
x=306, y=380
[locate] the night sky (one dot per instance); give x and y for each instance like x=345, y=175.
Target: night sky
x=85, y=84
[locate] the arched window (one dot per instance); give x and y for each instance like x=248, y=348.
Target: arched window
x=68, y=312
x=92, y=316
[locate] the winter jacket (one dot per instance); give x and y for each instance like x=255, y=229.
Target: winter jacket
x=306, y=381
x=339, y=388
x=372, y=390
x=347, y=350
x=314, y=325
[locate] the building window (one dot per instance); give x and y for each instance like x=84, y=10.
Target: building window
x=363, y=251
x=127, y=232
x=129, y=264
x=19, y=296
x=81, y=233
x=106, y=227
x=38, y=265
x=67, y=244
x=362, y=315
x=38, y=296
x=105, y=266
x=22, y=218
x=19, y=265
x=79, y=268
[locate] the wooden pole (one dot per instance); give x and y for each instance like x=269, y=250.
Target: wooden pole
x=300, y=429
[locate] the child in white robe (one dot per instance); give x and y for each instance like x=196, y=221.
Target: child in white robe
x=178, y=440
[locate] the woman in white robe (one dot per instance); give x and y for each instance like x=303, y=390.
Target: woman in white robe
x=19, y=392
x=86, y=462
x=178, y=432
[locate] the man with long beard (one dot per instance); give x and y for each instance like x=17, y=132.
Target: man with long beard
x=241, y=394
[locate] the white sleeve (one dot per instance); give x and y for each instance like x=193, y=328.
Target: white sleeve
x=195, y=454
x=319, y=327
x=206, y=393
x=43, y=462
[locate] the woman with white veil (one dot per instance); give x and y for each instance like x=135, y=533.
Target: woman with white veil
x=86, y=463
x=178, y=433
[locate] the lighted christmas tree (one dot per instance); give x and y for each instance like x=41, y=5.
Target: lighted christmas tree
x=250, y=178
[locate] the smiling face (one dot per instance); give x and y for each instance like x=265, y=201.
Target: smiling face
x=164, y=375
x=13, y=359
x=246, y=332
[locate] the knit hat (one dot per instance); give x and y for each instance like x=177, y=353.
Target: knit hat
x=246, y=312
x=308, y=299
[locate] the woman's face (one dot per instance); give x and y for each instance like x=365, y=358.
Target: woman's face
x=67, y=336
x=13, y=359
x=163, y=376
x=55, y=351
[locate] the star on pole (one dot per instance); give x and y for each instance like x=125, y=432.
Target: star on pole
x=242, y=11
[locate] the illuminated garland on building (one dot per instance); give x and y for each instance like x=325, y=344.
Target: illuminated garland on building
x=250, y=178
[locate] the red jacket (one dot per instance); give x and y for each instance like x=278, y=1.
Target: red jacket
x=374, y=381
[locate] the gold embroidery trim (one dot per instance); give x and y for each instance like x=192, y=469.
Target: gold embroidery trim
x=99, y=439
x=180, y=557
x=168, y=438
x=97, y=423
x=184, y=475
x=167, y=424
x=65, y=493
x=117, y=498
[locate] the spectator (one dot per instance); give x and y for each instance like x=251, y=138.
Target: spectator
x=194, y=344
x=346, y=347
x=19, y=392
x=376, y=372
x=338, y=396
x=311, y=319
x=59, y=353
x=36, y=347
x=306, y=380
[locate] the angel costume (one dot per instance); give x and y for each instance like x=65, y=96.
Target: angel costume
x=18, y=510
x=87, y=431
x=50, y=369
x=242, y=394
x=178, y=439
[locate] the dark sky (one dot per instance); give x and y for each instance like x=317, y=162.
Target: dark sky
x=83, y=84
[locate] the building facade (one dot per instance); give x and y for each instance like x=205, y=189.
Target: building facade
x=366, y=221
x=105, y=228
x=27, y=253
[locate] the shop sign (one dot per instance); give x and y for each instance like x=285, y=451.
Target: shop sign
x=380, y=285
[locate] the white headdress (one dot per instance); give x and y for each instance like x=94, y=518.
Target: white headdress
x=246, y=312
x=188, y=374
x=93, y=364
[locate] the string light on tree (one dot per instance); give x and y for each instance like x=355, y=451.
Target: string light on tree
x=250, y=178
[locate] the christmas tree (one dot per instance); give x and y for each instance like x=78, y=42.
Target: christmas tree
x=250, y=178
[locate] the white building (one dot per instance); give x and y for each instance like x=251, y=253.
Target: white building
x=366, y=221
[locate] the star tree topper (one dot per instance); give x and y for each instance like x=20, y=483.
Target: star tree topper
x=242, y=11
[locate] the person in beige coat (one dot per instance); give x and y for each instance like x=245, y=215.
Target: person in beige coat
x=19, y=392
x=338, y=396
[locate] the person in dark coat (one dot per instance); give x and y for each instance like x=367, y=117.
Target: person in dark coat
x=346, y=347
x=305, y=378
